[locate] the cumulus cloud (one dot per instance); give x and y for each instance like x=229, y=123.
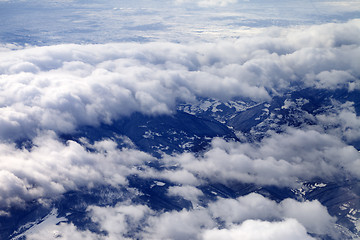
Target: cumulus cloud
x=187, y=192
x=51, y=168
x=61, y=87
x=120, y=220
x=312, y=215
x=252, y=206
x=255, y=206
x=341, y=121
x=282, y=159
x=285, y=220
x=261, y=230
x=178, y=225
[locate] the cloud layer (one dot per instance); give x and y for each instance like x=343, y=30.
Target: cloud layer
x=62, y=87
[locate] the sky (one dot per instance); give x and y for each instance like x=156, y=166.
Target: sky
x=67, y=64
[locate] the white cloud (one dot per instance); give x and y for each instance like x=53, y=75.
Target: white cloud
x=252, y=206
x=63, y=86
x=334, y=79
x=63, y=231
x=282, y=159
x=271, y=220
x=187, y=192
x=51, y=168
x=341, y=121
x=120, y=220
x=312, y=215
x=255, y=206
x=178, y=176
x=261, y=230
x=178, y=225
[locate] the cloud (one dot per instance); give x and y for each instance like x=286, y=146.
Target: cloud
x=178, y=225
x=252, y=206
x=187, y=192
x=120, y=220
x=52, y=167
x=311, y=214
x=283, y=159
x=334, y=79
x=284, y=220
x=255, y=206
x=261, y=230
x=341, y=121
x=62, y=87
x=177, y=176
